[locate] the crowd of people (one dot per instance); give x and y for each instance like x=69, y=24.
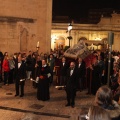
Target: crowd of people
x=71, y=76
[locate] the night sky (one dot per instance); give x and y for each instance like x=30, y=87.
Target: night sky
x=79, y=8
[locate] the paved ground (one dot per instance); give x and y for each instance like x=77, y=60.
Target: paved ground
x=29, y=108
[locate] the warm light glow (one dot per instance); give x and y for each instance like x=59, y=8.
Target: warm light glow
x=38, y=44
x=92, y=46
x=53, y=41
x=98, y=39
x=69, y=27
x=54, y=37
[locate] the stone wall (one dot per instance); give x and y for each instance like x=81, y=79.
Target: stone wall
x=23, y=23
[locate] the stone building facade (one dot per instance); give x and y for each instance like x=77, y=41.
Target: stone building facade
x=23, y=23
x=95, y=35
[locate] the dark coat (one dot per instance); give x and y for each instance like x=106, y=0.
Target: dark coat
x=117, y=93
x=81, y=71
x=43, y=84
x=63, y=69
x=95, y=83
x=30, y=63
x=20, y=73
x=71, y=80
x=1, y=55
x=51, y=63
x=38, y=68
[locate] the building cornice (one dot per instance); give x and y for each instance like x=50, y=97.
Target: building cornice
x=91, y=27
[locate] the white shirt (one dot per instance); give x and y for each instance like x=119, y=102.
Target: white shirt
x=71, y=72
x=44, y=65
x=19, y=64
x=79, y=65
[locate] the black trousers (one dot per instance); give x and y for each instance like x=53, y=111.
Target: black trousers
x=71, y=96
x=19, y=85
x=11, y=76
x=63, y=80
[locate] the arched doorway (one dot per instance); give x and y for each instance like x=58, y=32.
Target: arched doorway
x=23, y=40
x=105, y=43
x=60, y=43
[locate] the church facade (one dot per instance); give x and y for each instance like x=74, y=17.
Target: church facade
x=24, y=24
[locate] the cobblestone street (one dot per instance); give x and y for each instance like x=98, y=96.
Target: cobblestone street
x=29, y=108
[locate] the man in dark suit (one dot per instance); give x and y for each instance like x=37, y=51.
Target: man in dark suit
x=81, y=72
x=63, y=71
x=51, y=63
x=20, y=75
x=29, y=65
x=71, y=85
x=102, y=69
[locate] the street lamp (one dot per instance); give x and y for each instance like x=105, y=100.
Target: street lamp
x=69, y=31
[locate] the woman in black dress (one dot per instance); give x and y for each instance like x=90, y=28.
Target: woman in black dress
x=43, y=84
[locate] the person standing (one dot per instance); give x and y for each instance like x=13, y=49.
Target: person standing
x=102, y=69
x=95, y=83
x=51, y=62
x=1, y=61
x=29, y=65
x=1, y=55
x=38, y=66
x=12, y=66
x=33, y=74
x=63, y=72
x=43, y=83
x=6, y=69
x=20, y=75
x=81, y=72
x=71, y=85
x=116, y=94
x=0, y=70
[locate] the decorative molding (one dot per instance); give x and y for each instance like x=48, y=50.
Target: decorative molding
x=16, y=19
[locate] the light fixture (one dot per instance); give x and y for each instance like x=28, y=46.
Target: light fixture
x=69, y=31
x=98, y=39
x=37, y=46
x=69, y=27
